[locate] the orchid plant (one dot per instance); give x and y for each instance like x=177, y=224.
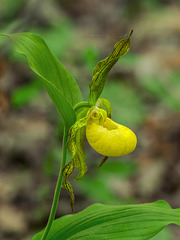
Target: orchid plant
x=92, y=119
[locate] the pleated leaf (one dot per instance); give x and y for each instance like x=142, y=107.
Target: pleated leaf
x=128, y=222
x=60, y=85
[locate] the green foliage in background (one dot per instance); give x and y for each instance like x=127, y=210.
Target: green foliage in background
x=24, y=94
x=162, y=91
x=165, y=234
x=98, y=186
x=130, y=109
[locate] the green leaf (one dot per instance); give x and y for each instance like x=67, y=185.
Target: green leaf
x=102, y=69
x=60, y=85
x=137, y=222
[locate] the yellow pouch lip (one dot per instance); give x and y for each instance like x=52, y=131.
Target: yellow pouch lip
x=111, y=138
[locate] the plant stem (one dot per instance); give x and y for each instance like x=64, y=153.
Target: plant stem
x=57, y=189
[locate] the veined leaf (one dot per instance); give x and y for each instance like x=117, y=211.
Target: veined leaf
x=137, y=222
x=102, y=69
x=60, y=85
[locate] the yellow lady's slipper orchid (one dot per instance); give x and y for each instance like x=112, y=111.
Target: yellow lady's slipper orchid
x=108, y=137
x=105, y=136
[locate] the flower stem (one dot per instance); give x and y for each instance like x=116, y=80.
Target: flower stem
x=57, y=189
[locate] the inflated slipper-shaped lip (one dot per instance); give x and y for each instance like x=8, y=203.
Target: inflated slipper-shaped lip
x=110, y=138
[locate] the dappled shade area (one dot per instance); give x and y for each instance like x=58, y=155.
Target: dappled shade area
x=144, y=91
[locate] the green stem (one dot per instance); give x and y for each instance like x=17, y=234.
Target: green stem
x=57, y=189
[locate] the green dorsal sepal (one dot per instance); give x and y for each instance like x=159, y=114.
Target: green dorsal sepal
x=102, y=69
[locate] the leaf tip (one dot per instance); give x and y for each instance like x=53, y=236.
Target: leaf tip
x=130, y=34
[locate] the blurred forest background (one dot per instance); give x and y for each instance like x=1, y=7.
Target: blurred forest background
x=143, y=88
